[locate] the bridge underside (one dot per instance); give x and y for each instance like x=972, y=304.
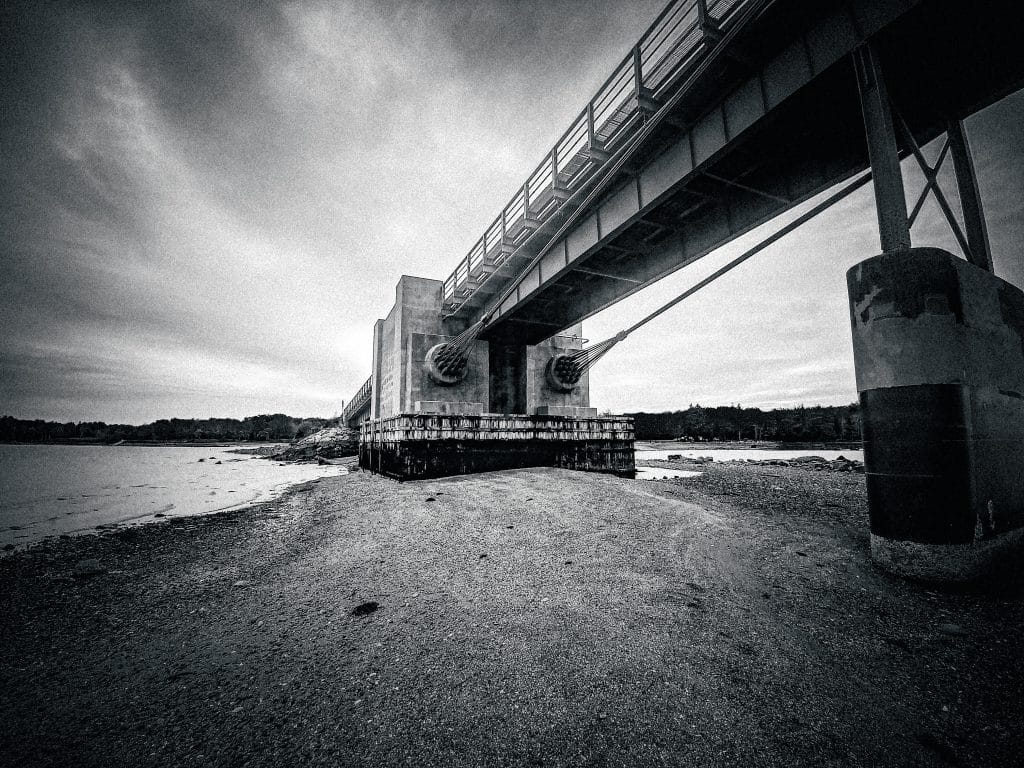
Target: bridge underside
x=790, y=127
x=779, y=102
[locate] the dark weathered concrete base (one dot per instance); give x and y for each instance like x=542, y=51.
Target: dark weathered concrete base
x=420, y=446
x=993, y=558
x=939, y=355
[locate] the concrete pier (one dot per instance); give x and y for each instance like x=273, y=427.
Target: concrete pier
x=419, y=446
x=939, y=355
x=502, y=412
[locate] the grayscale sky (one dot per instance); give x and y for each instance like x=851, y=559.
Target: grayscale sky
x=205, y=205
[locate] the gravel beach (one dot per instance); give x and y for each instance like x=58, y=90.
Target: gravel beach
x=522, y=618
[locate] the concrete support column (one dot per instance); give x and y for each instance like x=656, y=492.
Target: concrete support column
x=401, y=343
x=939, y=355
x=375, y=373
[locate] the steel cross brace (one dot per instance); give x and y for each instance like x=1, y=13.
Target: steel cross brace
x=932, y=184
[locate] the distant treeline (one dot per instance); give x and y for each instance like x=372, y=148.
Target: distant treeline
x=274, y=426
x=813, y=424
x=788, y=425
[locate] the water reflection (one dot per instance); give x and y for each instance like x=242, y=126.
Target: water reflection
x=657, y=473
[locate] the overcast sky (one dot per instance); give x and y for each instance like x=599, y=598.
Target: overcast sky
x=206, y=205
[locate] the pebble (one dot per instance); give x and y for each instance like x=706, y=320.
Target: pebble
x=365, y=609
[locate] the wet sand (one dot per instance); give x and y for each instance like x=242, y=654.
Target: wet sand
x=530, y=617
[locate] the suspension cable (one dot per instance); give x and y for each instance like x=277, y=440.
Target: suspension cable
x=453, y=356
x=583, y=359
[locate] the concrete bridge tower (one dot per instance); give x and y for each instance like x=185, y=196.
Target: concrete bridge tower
x=506, y=378
x=492, y=405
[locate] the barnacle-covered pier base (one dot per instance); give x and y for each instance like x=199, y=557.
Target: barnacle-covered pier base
x=419, y=446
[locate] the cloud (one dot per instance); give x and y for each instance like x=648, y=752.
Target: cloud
x=207, y=204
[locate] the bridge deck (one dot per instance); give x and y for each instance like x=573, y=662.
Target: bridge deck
x=747, y=126
x=675, y=42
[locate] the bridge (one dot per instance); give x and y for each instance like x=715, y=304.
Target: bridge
x=724, y=115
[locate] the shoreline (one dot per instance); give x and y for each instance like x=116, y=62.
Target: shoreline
x=744, y=445
x=51, y=493
x=522, y=616
x=669, y=443
x=158, y=518
x=151, y=443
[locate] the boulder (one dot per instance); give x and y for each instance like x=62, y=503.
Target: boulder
x=333, y=442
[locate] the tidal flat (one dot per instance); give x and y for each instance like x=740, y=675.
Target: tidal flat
x=519, y=618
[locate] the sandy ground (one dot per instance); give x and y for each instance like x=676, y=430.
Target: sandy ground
x=526, y=618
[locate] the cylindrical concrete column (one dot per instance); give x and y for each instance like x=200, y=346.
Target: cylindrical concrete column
x=939, y=356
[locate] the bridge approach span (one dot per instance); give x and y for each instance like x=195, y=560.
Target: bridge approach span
x=767, y=118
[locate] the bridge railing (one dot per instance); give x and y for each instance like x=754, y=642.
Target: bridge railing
x=358, y=402
x=672, y=44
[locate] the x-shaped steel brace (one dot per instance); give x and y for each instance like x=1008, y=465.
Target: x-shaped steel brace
x=931, y=174
x=931, y=182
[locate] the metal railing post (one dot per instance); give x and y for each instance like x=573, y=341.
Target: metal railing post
x=638, y=75
x=702, y=13
x=595, y=150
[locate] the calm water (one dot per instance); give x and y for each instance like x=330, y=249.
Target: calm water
x=657, y=473
x=53, y=489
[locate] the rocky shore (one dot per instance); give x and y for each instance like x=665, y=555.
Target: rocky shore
x=816, y=463
x=329, y=444
x=522, y=618
x=326, y=444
